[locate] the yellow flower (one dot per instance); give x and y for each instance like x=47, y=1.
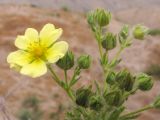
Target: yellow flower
x=36, y=50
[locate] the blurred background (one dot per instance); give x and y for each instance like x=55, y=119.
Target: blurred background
x=41, y=98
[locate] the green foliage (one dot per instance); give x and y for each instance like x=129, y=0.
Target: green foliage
x=154, y=32
x=65, y=8
x=157, y=102
x=25, y=114
x=30, y=109
x=106, y=102
x=31, y=101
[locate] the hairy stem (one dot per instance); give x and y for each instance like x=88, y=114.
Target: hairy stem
x=139, y=111
x=58, y=81
x=66, y=79
x=117, y=54
x=54, y=75
x=100, y=49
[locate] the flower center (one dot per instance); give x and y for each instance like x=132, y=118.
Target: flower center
x=37, y=50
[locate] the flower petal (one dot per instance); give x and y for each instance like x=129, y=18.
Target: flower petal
x=57, y=51
x=31, y=35
x=15, y=67
x=21, y=42
x=48, y=34
x=34, y=69
x=19, y=57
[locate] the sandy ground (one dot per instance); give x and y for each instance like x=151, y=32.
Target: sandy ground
x=15, y=19
x=85, y=5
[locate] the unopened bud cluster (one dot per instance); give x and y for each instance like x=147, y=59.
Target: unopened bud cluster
x=106, y=99
x=99, y=17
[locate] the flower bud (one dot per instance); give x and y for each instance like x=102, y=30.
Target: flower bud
x=102, y=17
x=109, y=41
x=66, y=62
x=157, y=103
x=140, y=31
x=111, y=78
x=114, y=98
x=91, y=20
x=82, y=97
x=144, y=82
x=124, y=33
x=84, y=61
x=95, y=102
x=125, y=80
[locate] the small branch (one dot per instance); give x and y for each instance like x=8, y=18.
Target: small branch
x=100, y=49
x=75, y=74
x=154, y=32
x=138, y=111
x=117, y=54
x=66, y=79
x=56, y=78
x=54, y=75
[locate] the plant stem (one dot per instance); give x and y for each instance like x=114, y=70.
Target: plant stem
x=139, y=111
x=68, y=89
x=98, y=35
x=74, y=78
x=118, y=54
x=100, y=49
x=54, y=75
x=70, y=94
x=56, y=78
x=65, y=74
